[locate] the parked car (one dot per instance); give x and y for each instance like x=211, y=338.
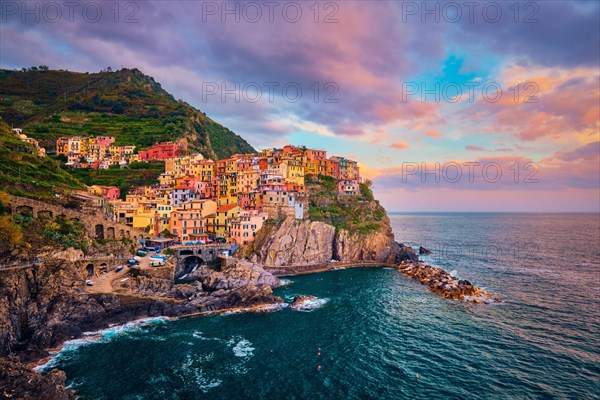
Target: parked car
x=221, y=240
x=89, y=283
x=142, y=253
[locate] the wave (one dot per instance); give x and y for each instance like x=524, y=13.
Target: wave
x=285, y=282
x=101, y=336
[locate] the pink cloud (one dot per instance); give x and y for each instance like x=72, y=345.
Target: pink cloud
x=400, y=145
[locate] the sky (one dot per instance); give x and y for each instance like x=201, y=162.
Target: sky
x=447, y=106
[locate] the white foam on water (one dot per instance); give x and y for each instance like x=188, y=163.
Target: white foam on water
x=285, y=282
x=197, y=374
x=243, y=349
x=101, y=336
x=310, y=305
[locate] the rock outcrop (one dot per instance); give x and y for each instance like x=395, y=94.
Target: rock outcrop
x=19, y=382
x=40, y=308
x=444, y=284
x=294, y=242
x=300, y=301
x=424, y=251
x=304, y=242
x=378, y=245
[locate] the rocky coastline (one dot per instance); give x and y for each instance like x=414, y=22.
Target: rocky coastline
x=41, y=308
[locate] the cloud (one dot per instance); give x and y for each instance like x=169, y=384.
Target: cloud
x=550, y=103
x=495, y=173
x=433, y=133
x=471, y=147
x=400, y=145
x=588, y=152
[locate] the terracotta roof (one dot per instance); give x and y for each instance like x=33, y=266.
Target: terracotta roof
x=226, y=207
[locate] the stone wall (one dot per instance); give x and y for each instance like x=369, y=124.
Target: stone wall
x=96, y=226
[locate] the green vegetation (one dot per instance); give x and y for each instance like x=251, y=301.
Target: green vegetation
x=58, y=232
x=138, y=174
x=126, y=104
x=24, y=173
x=360, y=214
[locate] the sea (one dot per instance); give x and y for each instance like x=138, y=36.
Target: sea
x=374, y=333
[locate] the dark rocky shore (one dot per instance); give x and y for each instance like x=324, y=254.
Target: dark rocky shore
x=43, y=307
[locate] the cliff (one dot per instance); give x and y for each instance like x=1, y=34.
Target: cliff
x=374, y=245
x=295, y=243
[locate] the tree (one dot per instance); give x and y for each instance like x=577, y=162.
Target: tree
x=4, y=203
x=11, y=235
x=167, y=233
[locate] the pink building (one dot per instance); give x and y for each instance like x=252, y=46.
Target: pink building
x=187, y=222
x=110, y=192
x=348, y=187
x=162, y=151
x=245, y=226
x=105, y=140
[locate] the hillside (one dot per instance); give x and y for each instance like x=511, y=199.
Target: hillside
x=126, y=104
x=22, y=172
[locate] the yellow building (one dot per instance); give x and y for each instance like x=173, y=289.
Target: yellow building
x=162, y=216
x=143, y=218
x=203, y=170
x=293, y=170
x=227, y=189
x=311, y=167
x=247, y=181
x=220, y=223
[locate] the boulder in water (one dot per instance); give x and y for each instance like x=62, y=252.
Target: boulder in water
x=300, y=301
x=423, y=250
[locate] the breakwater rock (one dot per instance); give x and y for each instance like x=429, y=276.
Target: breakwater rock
x=444, y=284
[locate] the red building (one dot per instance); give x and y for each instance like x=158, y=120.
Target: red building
x=162, y=151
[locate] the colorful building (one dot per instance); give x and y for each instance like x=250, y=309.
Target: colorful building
x=245, y=226
x=163, y=151
x=348, y=187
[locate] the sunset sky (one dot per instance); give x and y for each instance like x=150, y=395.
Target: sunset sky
x=372, y=59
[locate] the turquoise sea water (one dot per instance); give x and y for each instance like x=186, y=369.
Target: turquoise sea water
x=377, y=329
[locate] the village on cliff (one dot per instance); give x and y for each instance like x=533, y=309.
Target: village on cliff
x=201, y=200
